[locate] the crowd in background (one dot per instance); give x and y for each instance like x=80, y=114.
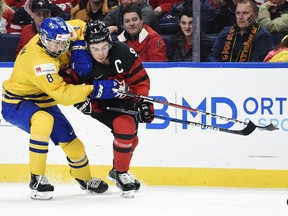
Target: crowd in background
x=162, y=30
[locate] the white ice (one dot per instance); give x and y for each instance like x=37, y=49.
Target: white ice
x=70, y=200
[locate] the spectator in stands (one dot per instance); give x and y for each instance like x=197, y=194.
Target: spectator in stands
x=143, y=39
x=65, y=5
x=112, y=3
x=169, y=22
x=246, y=41
x=40, y=10
x=162, y=7
x=183, y=39
x=6, y=16
x=23, y=15
x=15, y=4
x=216, y=14
x=280, y=53
x=273, y=15
x=114, y=19
x=90, y=10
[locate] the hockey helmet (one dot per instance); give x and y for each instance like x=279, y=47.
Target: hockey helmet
x=96, y=32
x=54, y=36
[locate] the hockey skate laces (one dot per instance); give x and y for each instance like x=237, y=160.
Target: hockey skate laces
x=126, y=178
x=43, y=179
x=40, y=179
x=131, y=176
x=94, y=183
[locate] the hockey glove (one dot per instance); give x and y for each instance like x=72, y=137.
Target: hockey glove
x=146, y=111
x=103, y=89
x=85, y=107
x=81, y=60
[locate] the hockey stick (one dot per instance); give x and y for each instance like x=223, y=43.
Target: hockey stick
x=269, y=127
x=249, y=128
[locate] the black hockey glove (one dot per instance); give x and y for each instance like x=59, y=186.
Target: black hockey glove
x=85, y=107
x=146, y=111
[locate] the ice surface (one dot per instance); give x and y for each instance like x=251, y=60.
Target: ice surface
x=70, y=200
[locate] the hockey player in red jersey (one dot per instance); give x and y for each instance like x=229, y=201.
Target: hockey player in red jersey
x=115, y=61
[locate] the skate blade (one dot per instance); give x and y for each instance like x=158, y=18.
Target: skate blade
x=107, y=192
x=111, y=179
x=127, y=194
x=124, y=194
x=36, y=195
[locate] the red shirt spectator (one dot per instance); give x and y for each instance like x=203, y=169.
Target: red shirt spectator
x=15, y=4
x=6, y=16
x=143, y=39
x=23, y=16
x=162, y=6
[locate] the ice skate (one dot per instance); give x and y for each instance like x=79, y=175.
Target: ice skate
x=136, y=182
x=40, y=188
x=124, y=182
x=94, y=185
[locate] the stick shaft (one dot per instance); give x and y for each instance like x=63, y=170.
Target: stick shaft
x=269, y=127
x=249, y=128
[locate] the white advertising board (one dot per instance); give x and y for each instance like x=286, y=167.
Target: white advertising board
x=259, y=94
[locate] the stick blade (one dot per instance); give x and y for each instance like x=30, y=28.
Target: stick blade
x=249, y=128
x=270, y=127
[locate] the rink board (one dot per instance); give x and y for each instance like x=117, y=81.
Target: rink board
x=175, y=154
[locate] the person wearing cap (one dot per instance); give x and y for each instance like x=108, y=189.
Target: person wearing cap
x=40, y=10
x=23, y=16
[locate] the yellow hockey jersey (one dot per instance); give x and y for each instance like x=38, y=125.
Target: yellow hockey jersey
x=35, y=76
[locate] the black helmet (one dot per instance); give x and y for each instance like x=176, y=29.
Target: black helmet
x=96, y=32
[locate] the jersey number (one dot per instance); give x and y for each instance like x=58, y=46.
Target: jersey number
x=49, y=78
x=133, y=52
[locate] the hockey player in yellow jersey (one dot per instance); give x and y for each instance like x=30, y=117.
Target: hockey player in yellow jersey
x=30, y=98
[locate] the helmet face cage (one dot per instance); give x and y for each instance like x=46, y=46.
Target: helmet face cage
x=97, y=32
x=55, y=36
